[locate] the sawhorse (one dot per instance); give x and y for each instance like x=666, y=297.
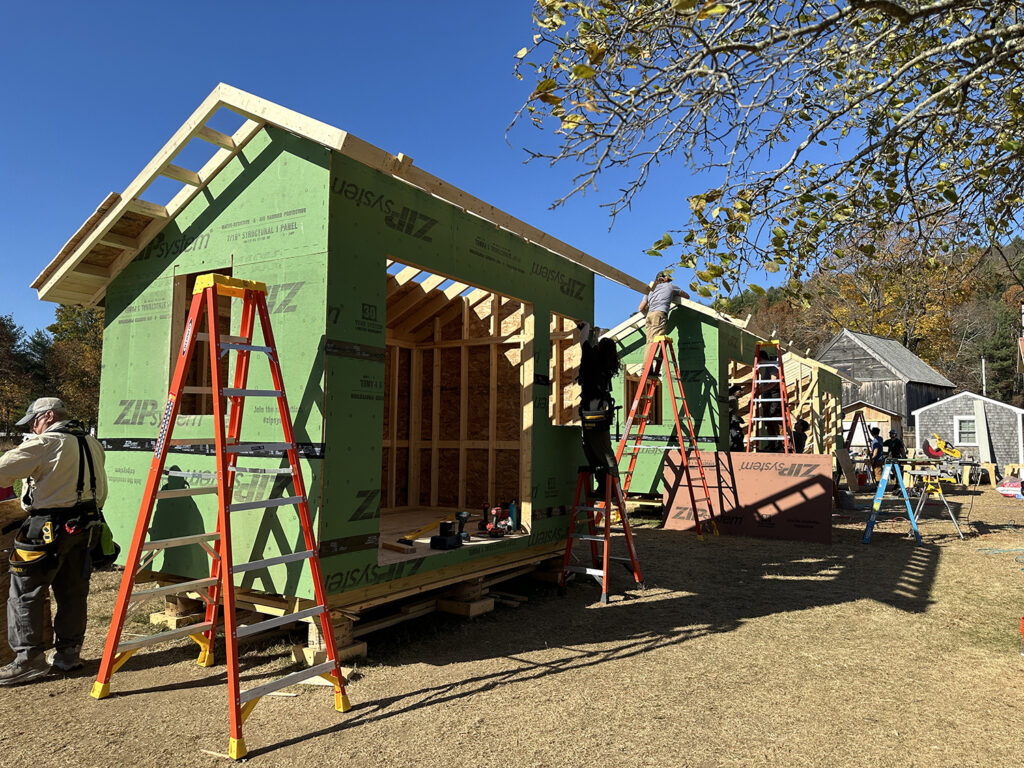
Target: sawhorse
x=888, y=470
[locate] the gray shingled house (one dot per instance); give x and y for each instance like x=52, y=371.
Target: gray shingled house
x=956, y=420
x=885, y=373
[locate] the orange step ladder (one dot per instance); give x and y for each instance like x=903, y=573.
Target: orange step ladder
x=220, y=585
x=762, y=394
x=658, y=351
x=598, y=517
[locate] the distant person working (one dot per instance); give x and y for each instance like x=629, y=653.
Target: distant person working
x=656, y=304
x=894, y=446
x=876, y=453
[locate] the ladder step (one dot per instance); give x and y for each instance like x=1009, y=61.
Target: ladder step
x=289, y=618
x=589, y=571
x=767, y=364
x=203, y=336
x=242, y=347
x=587, y=537
x=232, y=392
x=185, y=586
x=768, y=418
x=190, y=475
x=192, y=441
x=767, y=381
x=266, y=503
x=295, y=677
x=262, y=470
x=758, y=400
x=253, y=447
x=620, y=559
x=193, y=390
x=256, y=565
x=161, y=637
x=178, y=541
x=177, y=493
x=779, y=437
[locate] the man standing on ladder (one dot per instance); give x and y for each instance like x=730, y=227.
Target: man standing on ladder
x=656, y=304
x=597, y=368
x=65, y=489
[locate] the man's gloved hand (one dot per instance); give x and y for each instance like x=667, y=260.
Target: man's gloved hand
x=584, y=331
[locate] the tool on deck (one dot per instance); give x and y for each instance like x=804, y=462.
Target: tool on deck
x=769, y=401
x=228, y=446
x=598, y=515
x=658, y=351
x=410, y=538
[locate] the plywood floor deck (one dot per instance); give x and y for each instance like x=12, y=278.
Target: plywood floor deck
x=396, y=524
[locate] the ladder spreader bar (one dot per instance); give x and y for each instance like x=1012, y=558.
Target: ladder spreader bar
x=295, y=677
x=178, y=541
x=261, y=470
x=256, y=565
x=265, y=504
x=246, y=347
x=203, y=336
x=177, y=493
x=253, y=447
x=160, y=637
x=232, y=392
x=185, y=586
x=597, y=572
x=289, y=618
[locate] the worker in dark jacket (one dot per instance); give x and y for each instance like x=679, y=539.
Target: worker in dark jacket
x=598, y=366
x=64, y=489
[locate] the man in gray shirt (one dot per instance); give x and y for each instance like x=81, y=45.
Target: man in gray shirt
x=656, y=304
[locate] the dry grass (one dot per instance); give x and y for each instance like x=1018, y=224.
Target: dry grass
x=739, y=653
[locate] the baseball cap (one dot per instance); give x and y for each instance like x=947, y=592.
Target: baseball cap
x=665, y=274
x=42, y=405
x=892, y=433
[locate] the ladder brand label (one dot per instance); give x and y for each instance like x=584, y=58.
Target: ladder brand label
x=163, y=426
x=187, y=338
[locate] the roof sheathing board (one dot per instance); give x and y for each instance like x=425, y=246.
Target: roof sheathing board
x=260, y=112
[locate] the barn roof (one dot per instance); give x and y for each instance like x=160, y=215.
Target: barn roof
x=125, y=223
x=901, y=361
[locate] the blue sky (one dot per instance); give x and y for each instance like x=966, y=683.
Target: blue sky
x=94, y=90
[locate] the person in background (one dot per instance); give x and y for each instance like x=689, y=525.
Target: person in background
x=876, y=453
x=800, y=435
x=64, y=489
x=598, y=366
x=656, y=304
x=895, y=447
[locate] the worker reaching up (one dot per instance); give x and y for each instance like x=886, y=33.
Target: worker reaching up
x=598, y=367
x=656, y=304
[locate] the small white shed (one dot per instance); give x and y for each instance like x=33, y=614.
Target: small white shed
x=974, y=423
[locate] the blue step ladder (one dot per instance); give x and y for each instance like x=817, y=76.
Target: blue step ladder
x=887, y=470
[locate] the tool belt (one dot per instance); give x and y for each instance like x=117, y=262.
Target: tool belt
x=599, y=415
x=39, y=534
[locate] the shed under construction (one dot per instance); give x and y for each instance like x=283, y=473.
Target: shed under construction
x=424, y=335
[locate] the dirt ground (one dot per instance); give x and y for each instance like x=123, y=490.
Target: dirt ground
x=740, y=653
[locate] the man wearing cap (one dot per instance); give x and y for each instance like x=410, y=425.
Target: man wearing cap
x=65, y=486
x=656, y=304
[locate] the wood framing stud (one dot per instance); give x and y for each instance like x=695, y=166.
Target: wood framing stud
x=146, y=208
x=216, y=138
x=184, y=175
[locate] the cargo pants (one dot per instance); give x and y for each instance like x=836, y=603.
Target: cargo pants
x=66, y=569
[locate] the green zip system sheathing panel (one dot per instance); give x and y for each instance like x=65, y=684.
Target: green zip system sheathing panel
x=264, y=218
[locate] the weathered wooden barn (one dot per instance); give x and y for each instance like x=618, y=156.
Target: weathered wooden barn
x=425, y=337
x=884, y=373
x=716, y=356
x=979, y=426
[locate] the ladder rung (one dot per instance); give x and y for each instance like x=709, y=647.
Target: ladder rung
x=256, y=565
x=160, y=637
x=232, y=392
x=262, y=470
x=767, y=381
x=589, y=571
x=246, y=347
x=295, y=677
x=587, y=537
x=178, y=541
x=177, y=493
x=767, y=364
x=190, y=475
x=185, y=586
x=779, y=437
x=266, y=503
x=769, y=418
x=246, y=447
x=203, y=336
x=767, y=399
x=192, y=390
x=192, y=441
x=620, y=559
x=289, y=618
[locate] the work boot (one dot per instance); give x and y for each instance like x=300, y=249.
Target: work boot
x=66, y=661
x=18, y=672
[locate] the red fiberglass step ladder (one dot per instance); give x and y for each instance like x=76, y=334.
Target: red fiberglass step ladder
x=598, y=515
x=658, y=352
x=762, y=392
x=220, y=586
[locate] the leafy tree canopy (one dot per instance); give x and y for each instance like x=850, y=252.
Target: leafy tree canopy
x=810, y=126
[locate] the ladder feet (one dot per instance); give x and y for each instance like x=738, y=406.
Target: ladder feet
x=205, y=658
x=341, y=702
x=100, y=690
x=604, y=599
x=236, y=749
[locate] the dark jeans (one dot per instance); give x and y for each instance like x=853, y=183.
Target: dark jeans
x=597, y=447
x=67, y=570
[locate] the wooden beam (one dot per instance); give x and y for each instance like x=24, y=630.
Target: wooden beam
x=423, y=312
x=435, y=424
x=492, y=428
x=146, y=208
x=393, y=432
x=463, y=420
x=119, y=241
x=184, y=175
x=412, y=300
x=218, y=139
x=526, y=373
x=415, y=425
x=397, y=281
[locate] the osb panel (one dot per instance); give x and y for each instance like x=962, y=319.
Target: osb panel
x=480, y=319
x=402, y=477
x=479, y=392
x=424, y=475
x=511, y=315
x=448, y=477
x=427, y=407
x=104, y=259
x=506, y=478
x=476, y=479
x=452, y=329
x=509, y=397
x=451, y=388
x=404, y=371
x=131, y=224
